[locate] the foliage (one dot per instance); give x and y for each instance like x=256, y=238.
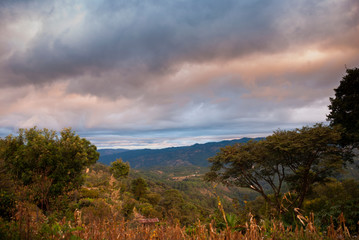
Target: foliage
x=6, y=183
x=99, y=209
x=333, y=198
x=139, y=188
x=110, y=215
x=107, y=208
x=189, y=181
x=7, y=204
x=119, y=169
x=127, y=208
x=153, y=198
x=148, y=210
x=51, y=164
x=97, y=175
x=310, y=154
x=7, y=193
x=344, y=108
x=298, y=158
x=177, y=209
x=89, y=193
x=115, y=228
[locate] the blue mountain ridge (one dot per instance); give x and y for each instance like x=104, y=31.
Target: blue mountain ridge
x=196, y=155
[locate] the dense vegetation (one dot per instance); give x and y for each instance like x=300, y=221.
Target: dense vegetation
x=292, y=185
x=344, y=108
x=293, y=159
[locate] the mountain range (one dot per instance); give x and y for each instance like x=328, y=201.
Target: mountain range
x=195, y=155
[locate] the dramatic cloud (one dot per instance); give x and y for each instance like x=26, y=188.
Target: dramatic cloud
x=160, y=73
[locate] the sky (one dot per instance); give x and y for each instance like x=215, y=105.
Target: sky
x=158, y=73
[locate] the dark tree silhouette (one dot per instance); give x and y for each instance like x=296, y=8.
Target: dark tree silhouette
x=344, y=108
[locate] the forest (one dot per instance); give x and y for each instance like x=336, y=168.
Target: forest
x=294, y=184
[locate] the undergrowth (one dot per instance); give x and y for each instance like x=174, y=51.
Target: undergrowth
x=28, y=225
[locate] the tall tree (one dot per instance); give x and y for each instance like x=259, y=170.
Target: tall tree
x=298, y=158
x=120, y=169
x=309, y=154
x=139, y=188
x=249, y=165
x=344, y=108
x=49, y=162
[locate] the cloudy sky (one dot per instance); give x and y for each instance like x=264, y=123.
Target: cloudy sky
x=161, y=73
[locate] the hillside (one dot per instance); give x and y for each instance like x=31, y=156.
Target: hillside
x=196, y=155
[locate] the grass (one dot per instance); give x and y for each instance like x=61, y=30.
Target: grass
x=30, y=226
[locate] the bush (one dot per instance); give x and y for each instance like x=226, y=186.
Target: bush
x=147, y=210
x=7, y=204
x=98, y=211
x=127, y=207
x=89, y=193
x=85, y=202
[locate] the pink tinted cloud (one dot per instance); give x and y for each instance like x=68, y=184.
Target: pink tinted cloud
x=102, y=67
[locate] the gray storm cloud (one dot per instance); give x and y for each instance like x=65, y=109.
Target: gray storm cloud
x=173, y=65
x=141, y=41
x=152, y=37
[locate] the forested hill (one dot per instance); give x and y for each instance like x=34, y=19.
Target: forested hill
x=176, y=156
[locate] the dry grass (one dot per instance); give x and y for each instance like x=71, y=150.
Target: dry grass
x=111, y=226
x=117, y=228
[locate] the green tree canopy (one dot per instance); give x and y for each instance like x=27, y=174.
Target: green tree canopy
x=120, y=169
x=344, y=108
x=172, y=200
x=331, y=199
x=51, y=162
x=297, y=158
x=139, y=188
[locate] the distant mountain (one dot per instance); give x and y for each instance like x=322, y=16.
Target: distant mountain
x=196, y=155
x=106, y=152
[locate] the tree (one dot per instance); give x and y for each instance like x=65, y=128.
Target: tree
x=176, y=208
x=7, y=198
x=248, y=165
x=331, y=199
x=6, y=183
x=119, y=169
x=297, y=158
x=172, y=201
x=139, y=188
x=310, y=155
x=51, y=164
x=344, y=108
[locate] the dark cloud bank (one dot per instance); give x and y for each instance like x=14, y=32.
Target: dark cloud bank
x=137, y=39
x=130, y=49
